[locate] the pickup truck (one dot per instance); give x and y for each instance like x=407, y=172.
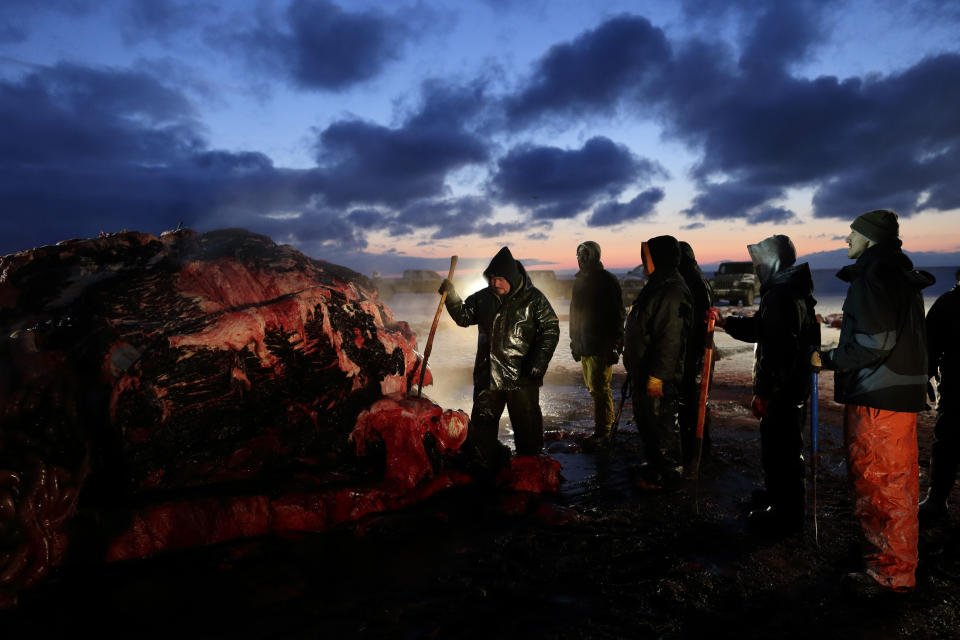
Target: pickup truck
x=735, y=282
x=632, y=283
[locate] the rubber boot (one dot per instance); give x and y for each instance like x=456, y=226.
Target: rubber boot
x=599, y=441
x=942, y=476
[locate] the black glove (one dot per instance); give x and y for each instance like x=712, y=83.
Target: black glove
x=536, y=374
x=931, y=394
x=446, y=287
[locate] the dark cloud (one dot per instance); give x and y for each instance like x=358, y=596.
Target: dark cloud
x=781, y=35
x=776, y=215
x=321, y=46
x=161, y=18
x=449, y=105
x=362, y=162
x=557, y=183
x=860, y=143
x=11, y=32
x=17, y=16
x=85, y=150
x=692, y=226
x=455, y=217
x=879, y=141
x=731, y=199
x=316, y=232
x=448, y=217
x=593, y=72
x=614, y=213
x=928, y=12
x=366, y=163
x=367, y=218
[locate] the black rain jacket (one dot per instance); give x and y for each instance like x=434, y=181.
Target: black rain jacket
x=516, y=334
x=881, y=359
x=786, y=330
x=596, y=313
x=659, y=321
x=943, y=340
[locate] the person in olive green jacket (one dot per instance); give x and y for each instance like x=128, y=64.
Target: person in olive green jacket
x=518, y=332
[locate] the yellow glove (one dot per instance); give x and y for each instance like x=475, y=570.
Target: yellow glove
x=654, y=387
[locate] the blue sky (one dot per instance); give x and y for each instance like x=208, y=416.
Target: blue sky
x=391, y=135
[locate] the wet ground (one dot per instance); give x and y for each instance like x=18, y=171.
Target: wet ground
x=602, y=559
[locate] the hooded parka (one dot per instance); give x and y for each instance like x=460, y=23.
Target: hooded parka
x=517, y=335
x=654, y=347
x=784, y=328
x=786, y=331
x=660, y=318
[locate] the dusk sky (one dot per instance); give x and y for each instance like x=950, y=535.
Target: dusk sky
x=390, y=135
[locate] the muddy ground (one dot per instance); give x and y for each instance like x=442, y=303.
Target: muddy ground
x=600, y=560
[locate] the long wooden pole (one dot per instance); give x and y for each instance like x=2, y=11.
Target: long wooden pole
x=702, y=411
x=704, y=387
x=433, y=328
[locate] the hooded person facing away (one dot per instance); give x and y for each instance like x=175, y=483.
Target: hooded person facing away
x=655, y=340
x=880, y=366
x=785, y=330
x=596, y=335
x=696, y=347
x=943, y=361
x=518, y=332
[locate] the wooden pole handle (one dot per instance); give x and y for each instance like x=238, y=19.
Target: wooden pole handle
x=433, y=328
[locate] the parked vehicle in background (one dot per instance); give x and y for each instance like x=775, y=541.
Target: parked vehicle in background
x=548, y=283
x=412, y=281
x=735, y=282
x=631, y=284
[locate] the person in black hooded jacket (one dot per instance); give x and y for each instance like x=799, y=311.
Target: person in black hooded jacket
x=518, y=332
x=696, y=347
x=596, y=335
x=786, y=330
x=655, y=340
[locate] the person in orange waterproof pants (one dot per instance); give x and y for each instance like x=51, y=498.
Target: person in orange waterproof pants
x=881, y=375
x=882, y=463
